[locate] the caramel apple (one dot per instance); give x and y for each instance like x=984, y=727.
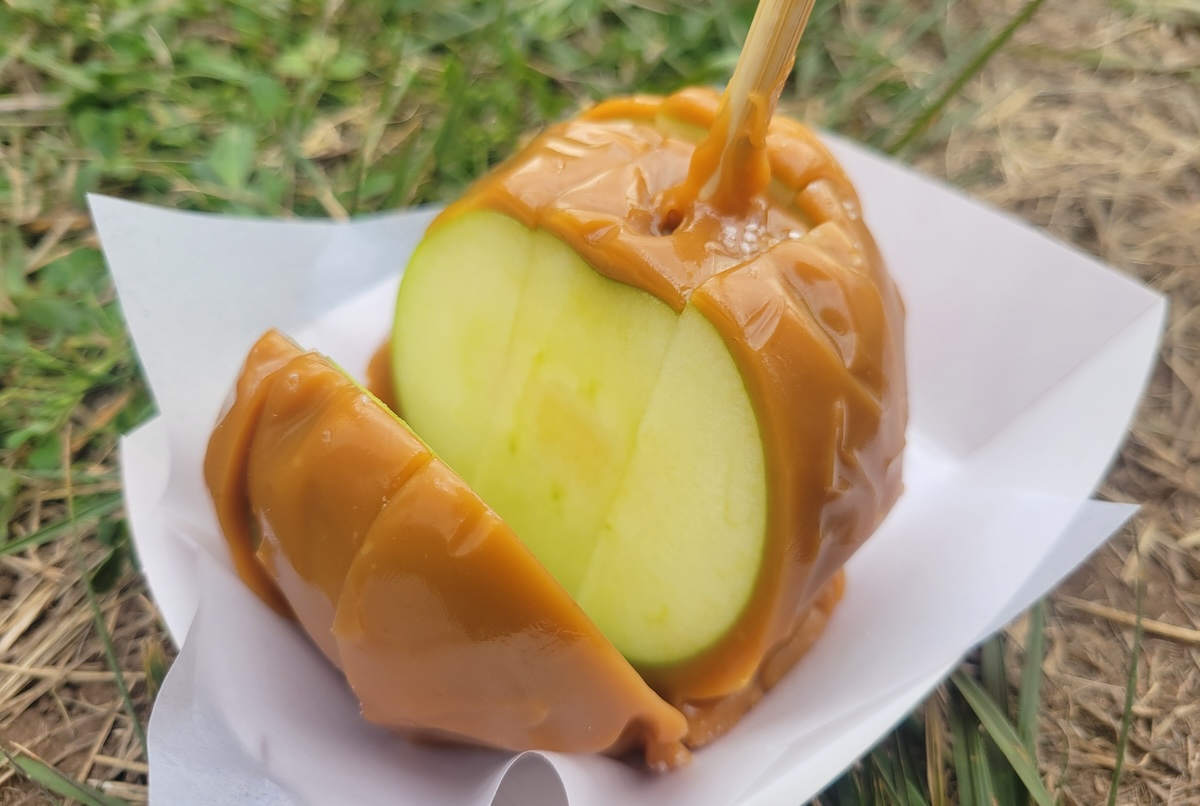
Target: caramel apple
x=656, y=367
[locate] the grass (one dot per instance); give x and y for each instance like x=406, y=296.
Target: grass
x=965, y=749
x=302, y=108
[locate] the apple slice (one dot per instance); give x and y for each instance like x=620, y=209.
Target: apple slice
x=681, y=546
x=691, y=418
x=442, y=620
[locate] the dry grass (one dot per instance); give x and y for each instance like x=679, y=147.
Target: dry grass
x=58, y=700
x=1088, y=126
x=1100, y=145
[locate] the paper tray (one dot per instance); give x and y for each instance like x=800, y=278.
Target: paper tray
x=1026, y=361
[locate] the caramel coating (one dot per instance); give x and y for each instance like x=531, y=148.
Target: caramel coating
x=798, y=291
x=442, y=621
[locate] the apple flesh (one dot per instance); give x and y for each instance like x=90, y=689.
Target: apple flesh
x=614, y=435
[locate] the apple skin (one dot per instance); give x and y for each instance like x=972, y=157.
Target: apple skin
x=806, y=309
x=443, y=622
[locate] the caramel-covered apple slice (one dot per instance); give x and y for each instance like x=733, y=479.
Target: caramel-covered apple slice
x=444, y=623
x=692, y=412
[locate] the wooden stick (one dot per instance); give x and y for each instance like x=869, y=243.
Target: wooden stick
x=753, y=92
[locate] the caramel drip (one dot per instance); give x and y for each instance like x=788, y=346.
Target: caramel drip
x=730, y=170
x=799, y=293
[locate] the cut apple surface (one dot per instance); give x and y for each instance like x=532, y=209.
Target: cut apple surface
x=442, y=620
x=615, y=436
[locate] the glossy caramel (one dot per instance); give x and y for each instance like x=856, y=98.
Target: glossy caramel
x=442, y=621
x=380, y=379
x=798, y=290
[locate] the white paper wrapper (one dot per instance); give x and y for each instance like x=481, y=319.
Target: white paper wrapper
x=1026, y=360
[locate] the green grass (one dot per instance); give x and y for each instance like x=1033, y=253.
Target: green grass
x=294, y=107
x=52, y=782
